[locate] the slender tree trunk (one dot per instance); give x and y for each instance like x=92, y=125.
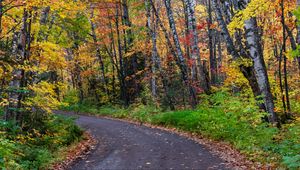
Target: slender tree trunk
x=123, y=87
x=212, y=56
x=172, y=50
x=154, y=57
x=78, y=79
x=181, y=59
x=280, y=82
x=26, y=34
x=154, y=53
x=188, y=44
x=285, y=61
x=126, y=20
x=14, y=85
x=114, y=60
x=114, y=54
x=205, y=85
x=166, y=34
x=220, y=57
x=130, y=62
x=98, y=54
x=157, y=61
x=256, y=53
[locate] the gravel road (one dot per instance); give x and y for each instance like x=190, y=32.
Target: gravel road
x=127, y=146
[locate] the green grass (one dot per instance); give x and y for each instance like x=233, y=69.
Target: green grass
x=221, y=117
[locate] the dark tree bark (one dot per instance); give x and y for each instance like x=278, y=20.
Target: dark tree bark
x=123, y=87
x=77, y=77
x=181, y=60
x=285, y=62
x=113, y=59
x=220, y=57
x=20, y=47
x=98, y=54
x=154, y=54
x=131, y=63
x=280, y=82
x=212, y=56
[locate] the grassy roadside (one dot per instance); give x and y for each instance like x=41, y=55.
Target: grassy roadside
x=222, y=118
x=37, y=147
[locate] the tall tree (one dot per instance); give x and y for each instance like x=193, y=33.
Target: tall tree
x=257, y=74
x=98, y=52
x=256, y=53
x=21, y=47
x=180, y=57
x=283, y=53
x=211, y=44
x=191, y=4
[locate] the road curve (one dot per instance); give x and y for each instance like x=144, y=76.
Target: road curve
x=127, y=146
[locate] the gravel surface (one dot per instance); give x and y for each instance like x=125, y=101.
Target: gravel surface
x=125, y=146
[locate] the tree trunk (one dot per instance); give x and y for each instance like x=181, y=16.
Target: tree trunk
x=123, y=87
x=256, y=53
x=280, y=82
x=205, y=85
x=98, y=54
x=166, y=34
x=130, y=62
x=157, y=62
x=154, y=53
x=181, y=60
x=288, y=116
x=212, y=56
x=113, y=59
x=220, y=57
x=248, y=71
x=16, y=86
x=188, y=49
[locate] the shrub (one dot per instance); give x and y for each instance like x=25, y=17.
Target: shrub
x=34, y=149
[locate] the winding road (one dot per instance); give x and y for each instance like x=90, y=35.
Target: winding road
x=127, y=146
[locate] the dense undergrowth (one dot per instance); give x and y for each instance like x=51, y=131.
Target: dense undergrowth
x=38, y=146
x=223, y=117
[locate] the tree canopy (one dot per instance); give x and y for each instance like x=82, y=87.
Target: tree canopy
x=169, y=54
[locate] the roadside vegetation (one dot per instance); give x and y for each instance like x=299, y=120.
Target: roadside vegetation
x=38, y=146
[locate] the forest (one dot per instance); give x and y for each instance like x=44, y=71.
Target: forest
x=227, y=70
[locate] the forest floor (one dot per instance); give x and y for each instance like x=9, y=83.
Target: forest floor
x=123, y=145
